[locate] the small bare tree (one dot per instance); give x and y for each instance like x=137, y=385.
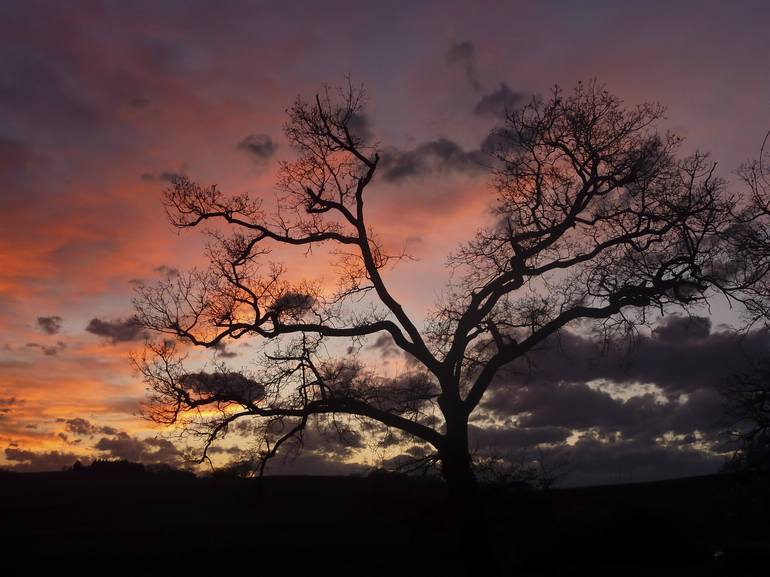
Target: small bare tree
x=596, y=220
x=521, y=469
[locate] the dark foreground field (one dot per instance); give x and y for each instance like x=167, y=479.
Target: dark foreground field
x=143, y=524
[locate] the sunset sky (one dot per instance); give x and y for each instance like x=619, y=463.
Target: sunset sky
x=101, y=102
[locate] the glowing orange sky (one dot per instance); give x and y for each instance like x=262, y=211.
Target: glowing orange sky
x=99, y=100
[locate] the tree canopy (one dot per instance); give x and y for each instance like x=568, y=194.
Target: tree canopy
x=597, y=218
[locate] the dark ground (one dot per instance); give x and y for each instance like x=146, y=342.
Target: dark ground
x=143, y=524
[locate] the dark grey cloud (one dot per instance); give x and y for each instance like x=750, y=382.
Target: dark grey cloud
x=674, y=429
x=678, y=329
x=680, y=356
x=219, y=450
x=576, y=406
x=499, y=102
x=498, y=143
x=167, y=176
x=325, y=438
x=48, y=350
x=84, y=428
x=321, y=450
x=153, y=450
x=50, y=325
x=166, y=271
x=463, y=55
x=360, y=128
x=260, y=147
x=7, y=404
x=24, y=460
x=227, y=383
x=222, y=351
x=321, y=436
x=595, y=458
x=118, y=330
x=683, y=359
x=508, y=439
x=385, y=345
x=113, y=444
x=435, y=156
x=129, y=405
x=594, y=461
x=293, y=303
x=79, y=426
x=7, y=401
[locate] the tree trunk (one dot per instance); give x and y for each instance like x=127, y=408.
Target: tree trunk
x=474, y=546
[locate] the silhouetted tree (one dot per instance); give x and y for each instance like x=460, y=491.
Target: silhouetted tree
x=746, y=393
x=522, y=470
x=747, y=408
x=596, y=219
x=751, y=233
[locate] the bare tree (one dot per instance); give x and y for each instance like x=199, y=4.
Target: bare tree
x=750, y=235
x=746, y=393
x=521, y=469
x=597, y=220
x=747, y=411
